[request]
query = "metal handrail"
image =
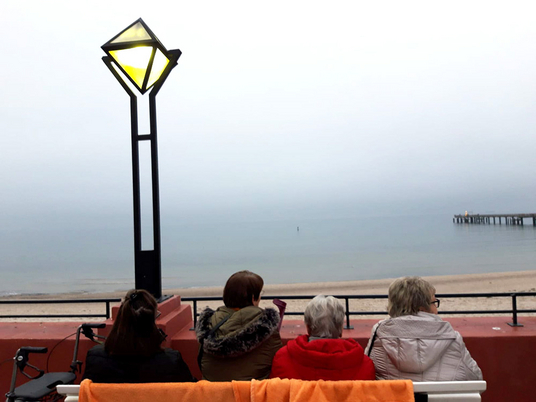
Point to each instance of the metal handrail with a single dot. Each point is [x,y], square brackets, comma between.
[106,314]
[514,311]
[195,300]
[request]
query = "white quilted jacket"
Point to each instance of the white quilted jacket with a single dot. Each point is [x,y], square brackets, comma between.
[421,347]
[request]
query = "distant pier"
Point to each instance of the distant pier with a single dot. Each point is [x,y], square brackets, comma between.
[509,219]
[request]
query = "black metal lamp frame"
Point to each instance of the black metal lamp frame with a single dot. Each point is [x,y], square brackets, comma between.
[147,263]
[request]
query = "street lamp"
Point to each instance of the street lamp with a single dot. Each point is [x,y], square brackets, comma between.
[137,55]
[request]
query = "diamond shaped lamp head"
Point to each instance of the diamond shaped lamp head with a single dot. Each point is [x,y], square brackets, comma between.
[138,53]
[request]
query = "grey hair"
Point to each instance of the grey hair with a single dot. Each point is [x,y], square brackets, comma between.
[324,317]
[409,295]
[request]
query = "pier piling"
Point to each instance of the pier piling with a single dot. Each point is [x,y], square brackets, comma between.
[509,219]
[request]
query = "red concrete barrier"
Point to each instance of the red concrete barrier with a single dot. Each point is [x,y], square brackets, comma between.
[50,335]
[506,355]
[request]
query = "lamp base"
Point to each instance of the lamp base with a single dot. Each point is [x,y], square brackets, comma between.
[163,298]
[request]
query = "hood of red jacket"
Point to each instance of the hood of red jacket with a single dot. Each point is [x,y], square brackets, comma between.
[326,353]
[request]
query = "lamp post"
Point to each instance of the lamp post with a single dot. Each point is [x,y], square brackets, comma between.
[137,55]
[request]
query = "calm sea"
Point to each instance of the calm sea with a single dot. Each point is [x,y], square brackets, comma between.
[205,254]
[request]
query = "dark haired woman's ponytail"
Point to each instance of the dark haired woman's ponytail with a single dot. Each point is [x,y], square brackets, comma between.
[144,320]
[134,330]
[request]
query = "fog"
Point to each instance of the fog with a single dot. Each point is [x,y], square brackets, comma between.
[280,110]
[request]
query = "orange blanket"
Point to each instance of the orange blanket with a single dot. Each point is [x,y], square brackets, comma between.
[278,390]
[201,391]
[273,390]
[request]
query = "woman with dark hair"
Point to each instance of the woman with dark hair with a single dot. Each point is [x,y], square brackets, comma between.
[132,352]
[415,343]
[238,340]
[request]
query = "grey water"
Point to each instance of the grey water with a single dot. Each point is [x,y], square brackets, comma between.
[196,254]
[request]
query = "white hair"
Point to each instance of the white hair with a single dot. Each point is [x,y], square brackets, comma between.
[324,317]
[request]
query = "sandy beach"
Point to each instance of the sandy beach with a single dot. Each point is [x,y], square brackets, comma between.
[522,281]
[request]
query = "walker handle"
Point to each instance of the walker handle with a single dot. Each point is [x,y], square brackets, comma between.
[33,349]
[92,325]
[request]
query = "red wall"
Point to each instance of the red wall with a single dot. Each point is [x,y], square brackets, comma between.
[506,355]
[50,335]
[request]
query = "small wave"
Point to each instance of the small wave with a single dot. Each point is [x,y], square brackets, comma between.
[5,294]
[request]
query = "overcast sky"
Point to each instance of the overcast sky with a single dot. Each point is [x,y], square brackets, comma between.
[275,109]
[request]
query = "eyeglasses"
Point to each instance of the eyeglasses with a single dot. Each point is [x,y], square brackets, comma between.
[437,302]
[158,313]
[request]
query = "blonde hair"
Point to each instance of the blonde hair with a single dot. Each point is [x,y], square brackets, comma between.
[409,295]
[324,317]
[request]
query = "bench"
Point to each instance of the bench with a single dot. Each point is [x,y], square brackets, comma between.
[446,391]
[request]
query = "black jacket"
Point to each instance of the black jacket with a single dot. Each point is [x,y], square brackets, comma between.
[165,366]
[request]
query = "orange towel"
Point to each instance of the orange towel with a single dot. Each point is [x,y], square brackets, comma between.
[277,390]
[241,391]
[272,390]
[201,391]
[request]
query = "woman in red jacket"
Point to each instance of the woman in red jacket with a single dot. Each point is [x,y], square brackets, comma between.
[322,354]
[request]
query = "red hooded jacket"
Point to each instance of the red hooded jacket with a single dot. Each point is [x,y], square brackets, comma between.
[322,359]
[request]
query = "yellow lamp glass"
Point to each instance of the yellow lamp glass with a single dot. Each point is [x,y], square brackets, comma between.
[159,65]
[134,62]
[140,56]
[134,33]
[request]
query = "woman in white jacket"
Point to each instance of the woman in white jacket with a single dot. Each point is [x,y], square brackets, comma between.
[415,343]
